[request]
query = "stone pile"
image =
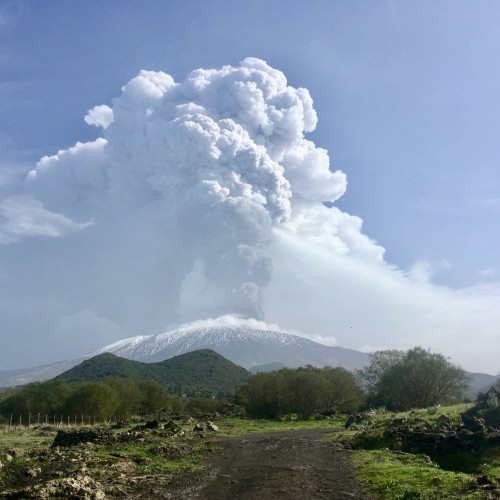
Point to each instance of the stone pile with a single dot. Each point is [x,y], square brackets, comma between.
[419,436]
[67,438]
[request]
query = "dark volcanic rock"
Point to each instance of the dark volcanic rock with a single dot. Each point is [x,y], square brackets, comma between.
[472,423]
[69,438]
[152,424]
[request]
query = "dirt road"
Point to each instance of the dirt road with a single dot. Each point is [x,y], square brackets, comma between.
[292,465]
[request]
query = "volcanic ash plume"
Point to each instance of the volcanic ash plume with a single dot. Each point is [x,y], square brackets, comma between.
[210,166]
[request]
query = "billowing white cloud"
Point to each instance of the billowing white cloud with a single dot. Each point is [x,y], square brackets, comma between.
[234,320]
[100,116]
[73,181]
[222,159]
[204,199]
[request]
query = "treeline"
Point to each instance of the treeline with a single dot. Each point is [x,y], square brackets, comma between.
[113,397]
[303,392]
[397,380]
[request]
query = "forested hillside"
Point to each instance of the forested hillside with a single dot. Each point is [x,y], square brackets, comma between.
[202,373]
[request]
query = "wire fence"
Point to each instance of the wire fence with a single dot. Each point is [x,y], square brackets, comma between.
[8,422]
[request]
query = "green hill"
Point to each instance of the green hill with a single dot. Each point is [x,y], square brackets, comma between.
[202,373]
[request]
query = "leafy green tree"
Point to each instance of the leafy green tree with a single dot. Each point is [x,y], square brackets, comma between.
[204,405]
[380,361]
[46,398]
[303,391]
[17,404]
[420,379]
[154,398]
[91,398]
[129,396]
[308,389]
[266,395]
[343,393]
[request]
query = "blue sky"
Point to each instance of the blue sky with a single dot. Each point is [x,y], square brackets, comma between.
[406,95]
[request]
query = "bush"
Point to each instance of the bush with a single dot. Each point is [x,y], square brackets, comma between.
[304,392]
[415,379]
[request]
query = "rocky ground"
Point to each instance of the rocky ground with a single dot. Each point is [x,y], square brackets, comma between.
[162,460]
[292,465]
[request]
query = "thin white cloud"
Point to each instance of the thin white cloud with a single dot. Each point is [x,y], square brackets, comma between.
[421,272]
[489,273]
[361,303]
[24,216]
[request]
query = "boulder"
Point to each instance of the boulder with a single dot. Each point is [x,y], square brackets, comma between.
[205,426]
[152,424]
[69,438]
[212,427]
[473,423]
[131,435]
[173,429]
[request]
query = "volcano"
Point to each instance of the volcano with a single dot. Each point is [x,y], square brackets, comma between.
[245,346]
[251,348]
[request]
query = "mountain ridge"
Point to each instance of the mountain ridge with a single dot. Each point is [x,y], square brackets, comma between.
[200,373]
[243,345]
[248,347]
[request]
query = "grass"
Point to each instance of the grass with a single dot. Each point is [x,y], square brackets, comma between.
[390,474]
[369,433]
[25,438]
[122,461]
[237,426]
[397,475]
[406,476]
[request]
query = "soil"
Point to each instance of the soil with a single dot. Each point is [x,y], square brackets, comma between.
[292,465]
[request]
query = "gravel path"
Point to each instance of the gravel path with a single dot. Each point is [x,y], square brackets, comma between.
[290,465]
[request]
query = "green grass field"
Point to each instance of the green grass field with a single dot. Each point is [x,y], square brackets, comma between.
[393,474]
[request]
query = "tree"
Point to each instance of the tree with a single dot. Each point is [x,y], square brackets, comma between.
[154,398]
[343,392]
[308,389]
[380,361]
[91,398]
[266,395]
[420,379]
[129,396]
[303,391]
[46,398]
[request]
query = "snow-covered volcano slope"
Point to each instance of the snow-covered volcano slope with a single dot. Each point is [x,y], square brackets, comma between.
[245,346]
